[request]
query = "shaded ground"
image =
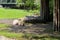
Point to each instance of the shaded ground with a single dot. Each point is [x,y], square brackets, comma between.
[28,28]
[33,28]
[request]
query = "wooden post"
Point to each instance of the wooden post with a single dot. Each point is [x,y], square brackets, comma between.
[56,15]
[45,10]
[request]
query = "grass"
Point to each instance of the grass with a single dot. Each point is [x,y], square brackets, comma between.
[3,26]
[49,39]
[16,13]
[41,37]
[11,35]
[6,13]
[21,36]
[28,36]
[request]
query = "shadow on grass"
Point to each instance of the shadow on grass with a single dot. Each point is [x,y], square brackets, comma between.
[32,31]
[32,28]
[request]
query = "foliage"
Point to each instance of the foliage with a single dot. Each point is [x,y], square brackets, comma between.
[51,6]
[28,4]
[51,9]
[18,1]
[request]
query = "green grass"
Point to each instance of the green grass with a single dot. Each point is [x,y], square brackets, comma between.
[22,35]
[11,35]
[42,37]
[14,13]
[49,38]
[3,26]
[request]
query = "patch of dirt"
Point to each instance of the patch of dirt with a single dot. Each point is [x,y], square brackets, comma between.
[6,21]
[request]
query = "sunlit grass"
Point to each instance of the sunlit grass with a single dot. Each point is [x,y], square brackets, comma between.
[14,13]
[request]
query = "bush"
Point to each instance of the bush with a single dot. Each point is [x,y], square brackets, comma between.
[28,4]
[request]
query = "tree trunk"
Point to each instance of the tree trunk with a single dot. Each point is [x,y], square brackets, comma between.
[45,13]
[56,15]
